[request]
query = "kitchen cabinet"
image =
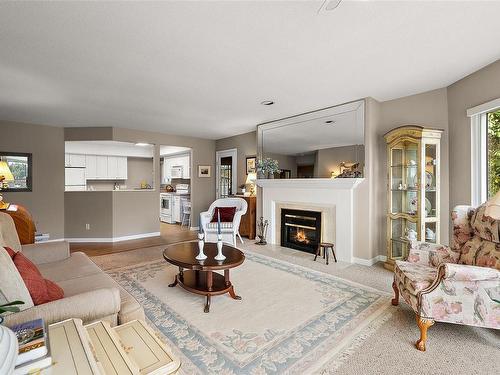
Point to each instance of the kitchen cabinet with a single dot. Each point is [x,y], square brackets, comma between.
[91,167]
[183,161]
[101,167]
[74,160]
[177,208]
[122,167]
[74,176]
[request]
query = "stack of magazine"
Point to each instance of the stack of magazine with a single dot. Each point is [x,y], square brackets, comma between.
[34,353]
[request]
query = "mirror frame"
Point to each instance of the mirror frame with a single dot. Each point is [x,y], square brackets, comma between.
[29,178]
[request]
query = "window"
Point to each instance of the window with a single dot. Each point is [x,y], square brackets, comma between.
[15,170]
[493,152]
[485,151]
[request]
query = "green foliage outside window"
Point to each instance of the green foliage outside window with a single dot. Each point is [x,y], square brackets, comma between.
[493,153]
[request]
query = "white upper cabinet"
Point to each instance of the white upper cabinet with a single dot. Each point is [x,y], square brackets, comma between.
[74,160]
[90,167]
[112,167]
[183,161]
[122,167]
[101,167]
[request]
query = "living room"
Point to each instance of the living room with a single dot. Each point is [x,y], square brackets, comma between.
[341,169]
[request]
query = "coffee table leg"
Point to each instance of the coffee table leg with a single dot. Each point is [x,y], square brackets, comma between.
[231,291]
[174,283]
[207,305]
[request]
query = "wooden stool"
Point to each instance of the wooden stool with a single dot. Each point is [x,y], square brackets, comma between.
[325,246]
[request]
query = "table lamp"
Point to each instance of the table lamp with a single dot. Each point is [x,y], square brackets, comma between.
[5,176]
[251,178]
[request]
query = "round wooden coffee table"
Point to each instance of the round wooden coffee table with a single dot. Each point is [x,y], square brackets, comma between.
[200,278]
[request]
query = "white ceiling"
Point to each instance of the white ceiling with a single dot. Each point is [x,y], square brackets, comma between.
[202,68]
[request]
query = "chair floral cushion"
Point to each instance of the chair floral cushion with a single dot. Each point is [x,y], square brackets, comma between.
[411,278]
[485,227]
[431,254]
[480,252]
[462,230]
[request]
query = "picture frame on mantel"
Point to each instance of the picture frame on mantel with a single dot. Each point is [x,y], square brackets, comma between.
[204,171]
[251,162]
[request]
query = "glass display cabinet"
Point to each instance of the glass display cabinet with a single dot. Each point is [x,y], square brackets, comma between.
[413,163]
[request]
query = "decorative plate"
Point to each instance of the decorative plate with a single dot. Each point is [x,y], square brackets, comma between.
[413,205]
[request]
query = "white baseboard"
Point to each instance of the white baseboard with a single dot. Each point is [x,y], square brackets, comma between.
[194,228]
[370,262]
[115,239]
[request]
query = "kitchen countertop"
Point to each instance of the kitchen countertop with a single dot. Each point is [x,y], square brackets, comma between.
[108,191]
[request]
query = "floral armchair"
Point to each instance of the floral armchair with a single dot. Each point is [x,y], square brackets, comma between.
[458,284]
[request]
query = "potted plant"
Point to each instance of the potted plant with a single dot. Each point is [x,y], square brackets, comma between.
[267,167]
[9,307]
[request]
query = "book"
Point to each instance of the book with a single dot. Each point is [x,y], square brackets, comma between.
[32,339]
[34,366]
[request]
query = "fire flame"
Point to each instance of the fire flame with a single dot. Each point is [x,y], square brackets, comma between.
[301,236]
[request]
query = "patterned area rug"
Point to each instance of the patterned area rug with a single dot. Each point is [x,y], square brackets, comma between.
[291,319]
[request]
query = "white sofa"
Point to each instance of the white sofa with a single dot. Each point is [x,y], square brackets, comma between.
[229,230]
[89,293]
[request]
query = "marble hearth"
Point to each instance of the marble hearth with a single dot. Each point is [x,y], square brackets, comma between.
[334,198]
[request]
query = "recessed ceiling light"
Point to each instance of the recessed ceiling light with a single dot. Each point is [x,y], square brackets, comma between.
[331,122]
[267,102]
[142,144]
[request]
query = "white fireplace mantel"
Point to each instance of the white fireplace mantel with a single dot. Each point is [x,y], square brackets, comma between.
[334,198]
[318,183]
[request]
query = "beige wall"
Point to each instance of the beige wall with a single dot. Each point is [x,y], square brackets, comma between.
[246,145]
[46,201]
[94,208]
[328,159]
[475,89]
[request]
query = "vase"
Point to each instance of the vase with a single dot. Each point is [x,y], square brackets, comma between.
[270,175]
[219,255]
[201,255]
[8,350]
[260,175]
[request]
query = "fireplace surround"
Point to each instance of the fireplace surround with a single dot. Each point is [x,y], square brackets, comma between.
[300,229]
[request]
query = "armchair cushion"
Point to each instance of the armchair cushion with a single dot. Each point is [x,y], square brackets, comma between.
[485,227]
[462,230]
[480,252]
[223,226]
[431,255]
[414,276]
[458,272]
[226,214]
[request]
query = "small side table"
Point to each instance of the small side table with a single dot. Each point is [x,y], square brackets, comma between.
[325,246]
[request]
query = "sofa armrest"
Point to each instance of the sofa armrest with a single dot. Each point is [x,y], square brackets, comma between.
[431,254]
[46,252]
[463,272]
[87,306]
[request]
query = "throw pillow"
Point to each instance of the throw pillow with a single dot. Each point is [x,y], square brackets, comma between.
[12,287]
[41,290]
[226,214]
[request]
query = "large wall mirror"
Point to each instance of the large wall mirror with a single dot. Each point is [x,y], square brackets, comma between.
[15,171]
[321,144]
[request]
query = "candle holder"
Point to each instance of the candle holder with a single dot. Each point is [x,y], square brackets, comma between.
[219,255]
[201,255]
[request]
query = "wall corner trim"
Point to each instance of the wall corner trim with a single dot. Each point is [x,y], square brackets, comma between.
[370,262]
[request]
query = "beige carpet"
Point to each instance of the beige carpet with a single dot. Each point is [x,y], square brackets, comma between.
[451,349]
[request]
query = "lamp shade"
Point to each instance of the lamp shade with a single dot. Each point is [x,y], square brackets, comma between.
[493,207]
[5,171]
[251,178]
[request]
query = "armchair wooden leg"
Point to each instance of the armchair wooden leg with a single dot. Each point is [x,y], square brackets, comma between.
[423,324]
[395,300]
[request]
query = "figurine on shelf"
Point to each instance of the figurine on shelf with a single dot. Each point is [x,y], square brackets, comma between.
[219,255]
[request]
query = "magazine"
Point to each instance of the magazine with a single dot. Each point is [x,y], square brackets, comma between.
[32,339]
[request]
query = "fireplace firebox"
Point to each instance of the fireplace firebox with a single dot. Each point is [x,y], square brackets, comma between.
[301,230]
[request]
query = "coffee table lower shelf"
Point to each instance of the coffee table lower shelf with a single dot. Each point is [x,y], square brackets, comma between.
[207,283]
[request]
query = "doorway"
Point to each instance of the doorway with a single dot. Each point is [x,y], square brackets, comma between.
[226,173]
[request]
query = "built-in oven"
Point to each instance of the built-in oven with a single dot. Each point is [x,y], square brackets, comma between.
[166,208]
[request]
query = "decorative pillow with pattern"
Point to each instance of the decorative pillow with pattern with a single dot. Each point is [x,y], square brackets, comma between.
[484,226]
[482,253]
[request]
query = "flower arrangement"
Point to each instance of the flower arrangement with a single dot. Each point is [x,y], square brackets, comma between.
[268,165]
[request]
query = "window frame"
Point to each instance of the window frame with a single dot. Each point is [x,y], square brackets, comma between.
[479,150]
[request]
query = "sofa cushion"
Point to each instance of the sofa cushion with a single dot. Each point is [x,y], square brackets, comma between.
[226,214]
[12,287]
[73,267]
[414,276]
[484,226]
[37,285]
[480,252]
[8,233]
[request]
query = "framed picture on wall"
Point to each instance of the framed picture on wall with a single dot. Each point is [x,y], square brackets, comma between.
[251,164]
[204,170]
[15,171]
